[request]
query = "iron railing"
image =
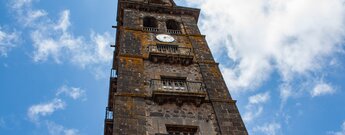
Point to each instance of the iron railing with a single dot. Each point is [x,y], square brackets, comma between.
[108,114]
[170,49]
[150,29]
[108,124]
[113,74]
[170,85]
[174,31]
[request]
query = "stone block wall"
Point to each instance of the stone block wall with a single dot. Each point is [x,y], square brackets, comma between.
[202,117]
[130,116]
[228,116]
[130,76]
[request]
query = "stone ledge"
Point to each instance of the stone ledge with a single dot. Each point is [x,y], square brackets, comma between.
[131,95]
[223,100]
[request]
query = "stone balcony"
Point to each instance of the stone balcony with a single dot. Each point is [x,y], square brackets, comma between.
[178,91]
[172,54]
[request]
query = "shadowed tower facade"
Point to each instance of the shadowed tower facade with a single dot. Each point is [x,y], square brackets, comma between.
[164,80]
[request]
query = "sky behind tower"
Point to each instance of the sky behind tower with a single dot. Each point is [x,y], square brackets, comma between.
[283,61]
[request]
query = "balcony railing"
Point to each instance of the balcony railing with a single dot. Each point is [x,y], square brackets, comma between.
[150,29]
[113,74]
[174,31]
[177,86]
[170,49]
[172,54]
[108,114]
[112,86]
[108,124]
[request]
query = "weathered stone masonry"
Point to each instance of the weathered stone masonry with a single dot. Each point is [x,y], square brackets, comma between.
[163,88]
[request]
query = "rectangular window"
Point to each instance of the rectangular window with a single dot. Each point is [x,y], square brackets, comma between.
[181,130]
[175,84]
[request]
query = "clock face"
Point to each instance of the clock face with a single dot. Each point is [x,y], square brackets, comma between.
[165,38]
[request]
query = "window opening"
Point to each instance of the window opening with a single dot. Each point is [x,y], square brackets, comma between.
[181,130]
[178,84]
[150,22]
[172,25]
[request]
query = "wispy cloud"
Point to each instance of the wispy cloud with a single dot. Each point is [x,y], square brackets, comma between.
[269,128]
[259,98]
[322,89]
[56,129]
[25,14]
[72,92]
[53,40]
[36,112]
[56,42]
[58,103]
[254,108]
[341,132]
[44,109]
[8,40]
[294,38]
[17,4]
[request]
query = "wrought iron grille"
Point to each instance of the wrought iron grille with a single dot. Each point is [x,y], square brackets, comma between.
[170,49]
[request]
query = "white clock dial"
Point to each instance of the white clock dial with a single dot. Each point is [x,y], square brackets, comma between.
[165,38]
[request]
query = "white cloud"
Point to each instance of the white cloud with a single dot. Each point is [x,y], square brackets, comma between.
[53,40]
[254,108]
[269,128]
[293,38]
[285,93]
[64,22]
[72,92]
[56,129]
[322,89]
[20,3]
[45,109]
[25,14]
[252,113]
[259,98]
[8,40]
[58,43]
[32,16]
[341,132]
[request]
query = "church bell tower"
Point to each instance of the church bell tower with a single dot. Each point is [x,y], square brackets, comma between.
[164,80]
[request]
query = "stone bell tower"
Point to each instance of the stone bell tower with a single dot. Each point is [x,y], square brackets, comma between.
[164,80]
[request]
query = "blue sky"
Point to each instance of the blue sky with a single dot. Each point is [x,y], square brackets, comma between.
[282,60]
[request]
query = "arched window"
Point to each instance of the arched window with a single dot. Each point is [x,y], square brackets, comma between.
[172,25]
[150,22]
